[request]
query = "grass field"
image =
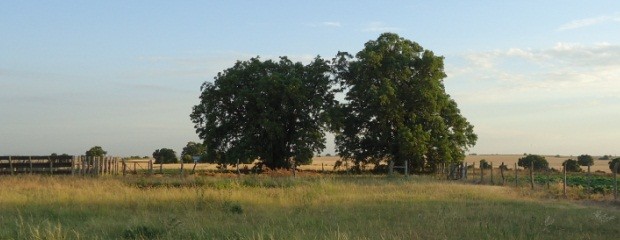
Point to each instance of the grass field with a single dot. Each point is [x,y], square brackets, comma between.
[265,207]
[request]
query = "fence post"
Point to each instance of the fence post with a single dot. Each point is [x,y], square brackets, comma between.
[532,174]
[294,168]
[391,168]
[11,165]
[501,171]
[30,162]
[406,168]
[492,180]
[564,184]
[124,168]
[481,173]
[182,164]
[516,175]
[616,166]
[473,169]
[589,177]
[51,165]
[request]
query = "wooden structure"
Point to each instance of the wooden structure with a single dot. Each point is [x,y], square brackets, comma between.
[60,164]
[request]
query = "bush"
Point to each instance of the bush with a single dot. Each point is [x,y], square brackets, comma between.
[165,155]
[484,164]
[540,163]
[571,165]
[612,163]
[585,160]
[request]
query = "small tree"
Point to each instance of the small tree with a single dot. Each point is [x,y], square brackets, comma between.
[192,149]
[484,164]
[165,155]
[540,163]
[585,160]
[96,151]
[612,164]
[571,165]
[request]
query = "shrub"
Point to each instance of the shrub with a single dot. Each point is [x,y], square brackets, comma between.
[571,165]
[585,160]
[484,164]
[540,163]
[612,163]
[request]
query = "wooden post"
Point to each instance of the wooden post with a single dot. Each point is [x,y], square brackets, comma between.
[30,162]
[10,165]
[51,165]
[124,168]
[72,166]
[294,168]
[391,168]
[473,169]
[516,175]
[501,171]
[150,166]
[481,173]
[182,164]
[194,168]
[532,174]
[564,184]
[406,168]
[466,170]
[492,180]
[616,166]
[589,177]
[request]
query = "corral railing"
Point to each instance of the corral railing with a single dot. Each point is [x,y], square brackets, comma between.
[61,164]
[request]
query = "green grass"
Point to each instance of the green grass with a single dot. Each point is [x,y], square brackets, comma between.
[262,207]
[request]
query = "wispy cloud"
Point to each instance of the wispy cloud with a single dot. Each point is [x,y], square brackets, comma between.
[379,27]
[586,22]
[332,24]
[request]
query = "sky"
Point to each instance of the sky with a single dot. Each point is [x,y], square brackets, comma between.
[531,76]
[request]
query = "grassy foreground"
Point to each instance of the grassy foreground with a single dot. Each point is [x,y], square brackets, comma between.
[260,207]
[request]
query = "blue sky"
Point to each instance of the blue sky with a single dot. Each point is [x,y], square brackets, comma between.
[532,76]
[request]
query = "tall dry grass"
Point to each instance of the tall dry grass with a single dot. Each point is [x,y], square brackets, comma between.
[258,207]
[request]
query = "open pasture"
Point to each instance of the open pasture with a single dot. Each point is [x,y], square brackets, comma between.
[267,207]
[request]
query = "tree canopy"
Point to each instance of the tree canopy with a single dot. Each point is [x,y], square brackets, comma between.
[396,107]
[96,151]
[571,165]
[273,111]
[192,149]
[585,160]
[540,163]
[165,155]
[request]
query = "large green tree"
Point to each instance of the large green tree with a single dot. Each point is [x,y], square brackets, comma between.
[273,111]
[165,155]
[192,149]
[396,107]
[96,151]
[585,160]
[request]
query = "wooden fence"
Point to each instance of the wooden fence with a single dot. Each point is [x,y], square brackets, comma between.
[62,164]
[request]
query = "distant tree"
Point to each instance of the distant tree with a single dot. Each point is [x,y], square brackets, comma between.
[397,108]
[192,149]
[484,164]
[165,155]
[273,111]
[540,163]
[96,151]
[605,157]
[571,165]
[585,160]
[612,163]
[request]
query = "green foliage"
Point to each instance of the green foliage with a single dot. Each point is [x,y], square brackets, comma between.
[193,149]
[571,165]
[165,155]
[612,164]
[484,164]
[274,111]
[96,151]
[605,157]
[397,108]
[585,160]
[540,163]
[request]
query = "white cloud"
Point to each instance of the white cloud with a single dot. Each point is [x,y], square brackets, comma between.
[379,27]
[332,24]
[586,22]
